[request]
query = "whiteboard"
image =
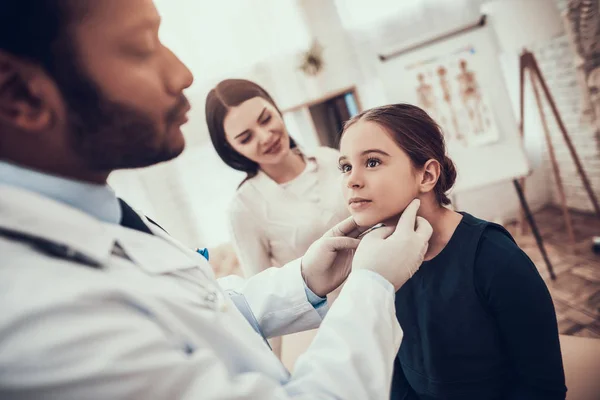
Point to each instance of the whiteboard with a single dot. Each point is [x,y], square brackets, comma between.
[493,156]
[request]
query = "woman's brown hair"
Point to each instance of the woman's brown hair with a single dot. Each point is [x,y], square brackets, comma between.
[418,135]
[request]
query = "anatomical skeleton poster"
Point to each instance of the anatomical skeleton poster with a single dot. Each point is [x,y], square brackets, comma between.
[448,88]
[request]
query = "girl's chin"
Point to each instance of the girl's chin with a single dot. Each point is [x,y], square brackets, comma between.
[368,221]
[365,221]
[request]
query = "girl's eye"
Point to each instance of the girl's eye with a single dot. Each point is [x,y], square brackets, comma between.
[344,168]
[373,162]
[266,120]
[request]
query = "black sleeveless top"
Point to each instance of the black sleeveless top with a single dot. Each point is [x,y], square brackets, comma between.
[462,340]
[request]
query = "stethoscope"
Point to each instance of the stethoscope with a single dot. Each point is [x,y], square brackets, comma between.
[62,251]
[51,248]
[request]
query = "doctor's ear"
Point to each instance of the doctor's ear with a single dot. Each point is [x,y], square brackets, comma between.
[430,175]
[26,95]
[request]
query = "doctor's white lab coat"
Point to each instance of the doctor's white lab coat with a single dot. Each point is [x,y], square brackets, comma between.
[127,315]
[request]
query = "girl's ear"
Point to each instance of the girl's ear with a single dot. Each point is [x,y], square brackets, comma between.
[430,176]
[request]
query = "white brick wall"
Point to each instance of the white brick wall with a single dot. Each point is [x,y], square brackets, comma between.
[556,60]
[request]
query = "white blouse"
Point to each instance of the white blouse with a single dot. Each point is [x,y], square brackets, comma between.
[272,223]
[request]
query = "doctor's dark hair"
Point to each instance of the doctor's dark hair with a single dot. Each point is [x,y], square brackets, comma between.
[227,94]
[418,135]
[37,30]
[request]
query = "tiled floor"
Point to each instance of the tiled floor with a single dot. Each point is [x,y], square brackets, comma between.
[576,290]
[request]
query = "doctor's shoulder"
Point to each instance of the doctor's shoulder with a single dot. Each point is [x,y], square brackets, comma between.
[35,283]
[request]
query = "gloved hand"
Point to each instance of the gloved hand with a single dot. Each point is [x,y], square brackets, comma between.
[395,253]
[328,261]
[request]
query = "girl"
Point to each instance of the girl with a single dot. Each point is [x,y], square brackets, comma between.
[478,320]
[289,198]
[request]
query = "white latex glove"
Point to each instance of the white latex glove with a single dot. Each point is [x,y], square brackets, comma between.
[328,261]
[395,253]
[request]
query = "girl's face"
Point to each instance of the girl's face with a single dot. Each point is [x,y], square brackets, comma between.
[379,180]
[256,130]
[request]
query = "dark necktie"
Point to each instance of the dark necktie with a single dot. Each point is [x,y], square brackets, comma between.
[130,219]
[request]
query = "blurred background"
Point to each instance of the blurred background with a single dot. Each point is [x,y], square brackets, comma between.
[372,53]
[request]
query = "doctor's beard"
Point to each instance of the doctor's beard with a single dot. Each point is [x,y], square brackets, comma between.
[110,135]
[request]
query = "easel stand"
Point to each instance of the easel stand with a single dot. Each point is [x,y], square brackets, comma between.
[528,63]
[534,228]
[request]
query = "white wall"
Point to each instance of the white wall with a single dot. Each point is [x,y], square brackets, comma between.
[189,196]
[216,40]
[160,192]
[494,202]
[500,201]
[235,39]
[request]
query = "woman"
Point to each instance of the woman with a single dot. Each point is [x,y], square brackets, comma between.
[478,320]
[289,197]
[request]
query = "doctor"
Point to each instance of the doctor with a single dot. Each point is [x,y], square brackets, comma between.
[96,301]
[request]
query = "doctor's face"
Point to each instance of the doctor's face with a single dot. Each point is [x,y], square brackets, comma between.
[256,130]
[125,93]
[112,93]
[379,180]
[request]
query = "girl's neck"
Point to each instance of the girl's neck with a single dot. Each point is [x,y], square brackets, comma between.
[289,168]
[444,223]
